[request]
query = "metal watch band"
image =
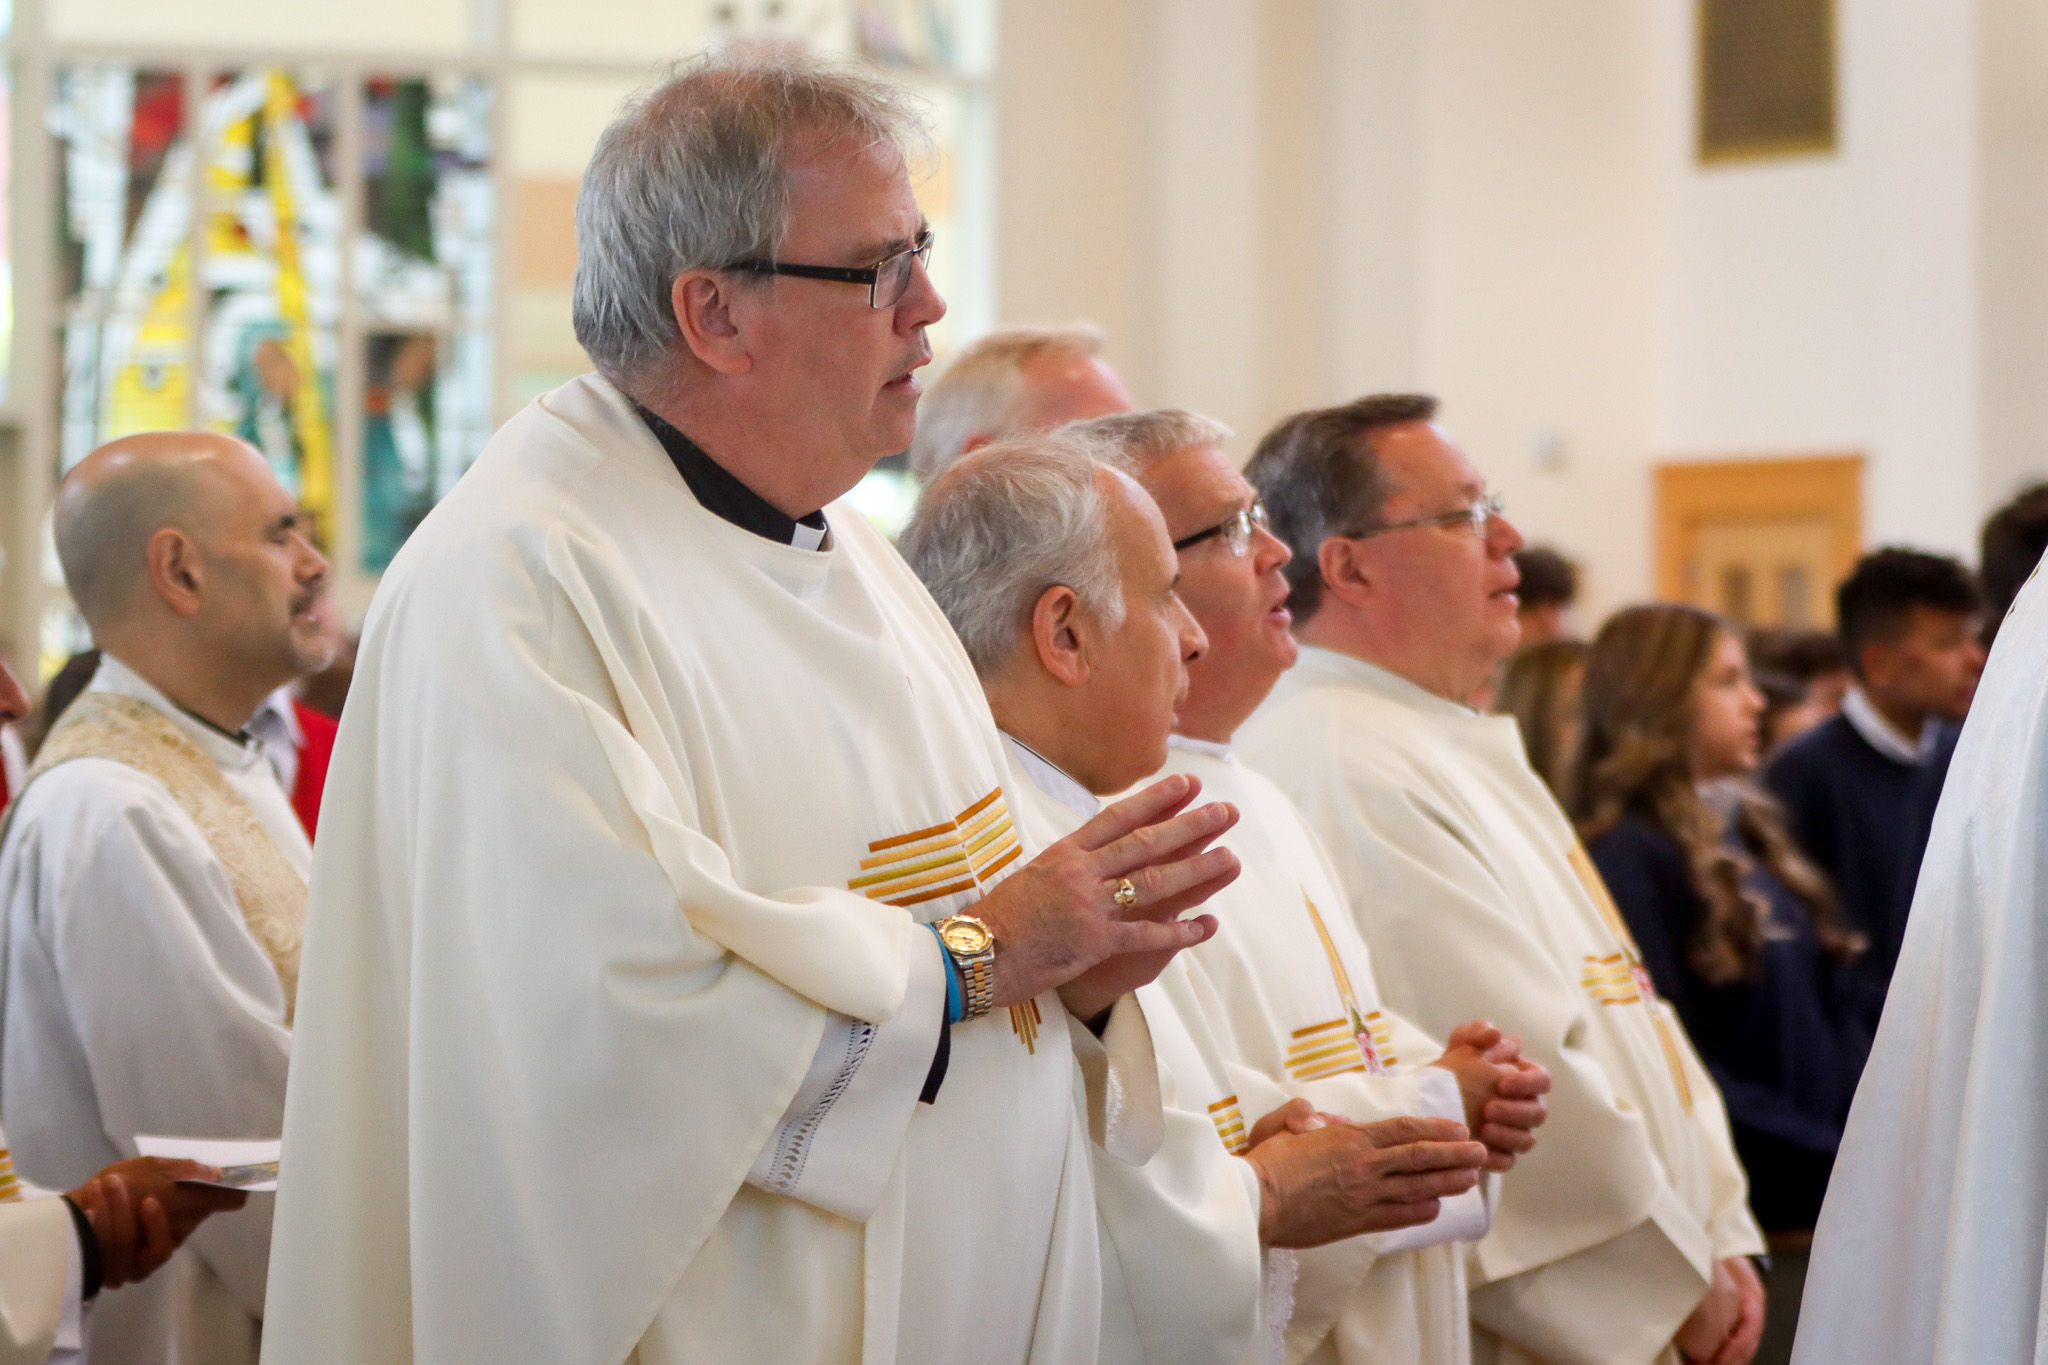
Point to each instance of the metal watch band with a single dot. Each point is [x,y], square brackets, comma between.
[977,978]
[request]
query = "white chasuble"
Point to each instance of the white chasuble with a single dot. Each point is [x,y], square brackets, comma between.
[1471,888]
[1290,975]
[1184,1279]
[1933,1241]
[142,995]
[617,997]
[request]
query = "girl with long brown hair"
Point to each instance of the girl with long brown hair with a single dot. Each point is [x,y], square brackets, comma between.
[1737,930]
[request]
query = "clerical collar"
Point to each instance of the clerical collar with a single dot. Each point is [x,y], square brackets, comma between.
[1880,734]
[1048,778]
[1199,746]
[725,496]
[225,747]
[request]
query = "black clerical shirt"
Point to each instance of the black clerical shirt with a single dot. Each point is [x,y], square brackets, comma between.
[722,493]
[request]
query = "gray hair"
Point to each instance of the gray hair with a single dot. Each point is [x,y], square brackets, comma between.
[1008,522]
[1320,477]
[1142,437]
[982,391]
[693,175]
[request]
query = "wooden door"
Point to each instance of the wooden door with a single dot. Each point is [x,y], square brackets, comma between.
[1762,542]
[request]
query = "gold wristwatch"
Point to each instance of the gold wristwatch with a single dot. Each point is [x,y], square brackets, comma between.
[974,952]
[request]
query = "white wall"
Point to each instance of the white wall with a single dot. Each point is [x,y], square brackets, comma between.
[1537,304]
[1500,203]
[2012,42]
[1829,304]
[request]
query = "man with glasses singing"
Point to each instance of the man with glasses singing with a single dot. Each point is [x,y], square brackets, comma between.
[1623,1237]
[679,986]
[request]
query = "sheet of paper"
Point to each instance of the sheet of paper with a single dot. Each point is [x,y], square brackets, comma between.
[245,1165]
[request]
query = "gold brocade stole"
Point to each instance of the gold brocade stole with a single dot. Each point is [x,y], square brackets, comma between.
[1620,978]
[130,731]
[10,1184]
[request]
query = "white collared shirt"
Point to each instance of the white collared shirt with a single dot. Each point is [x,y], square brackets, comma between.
[276,727]
[1883,736]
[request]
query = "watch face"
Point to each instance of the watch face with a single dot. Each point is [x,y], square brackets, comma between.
[966,936]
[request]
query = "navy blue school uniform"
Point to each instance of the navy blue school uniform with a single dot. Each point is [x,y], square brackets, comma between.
[1785,1048]
[1863,818]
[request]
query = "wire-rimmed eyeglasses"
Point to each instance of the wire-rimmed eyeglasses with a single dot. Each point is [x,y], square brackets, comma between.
[1478,517]
[886,280]
[1236,529]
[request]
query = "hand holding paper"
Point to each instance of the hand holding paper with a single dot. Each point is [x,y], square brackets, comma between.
[141,1210]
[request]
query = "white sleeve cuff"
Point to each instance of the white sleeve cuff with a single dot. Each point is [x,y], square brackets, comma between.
[1464,1217]
[69,1346]
[1120,1076]
[840,1138]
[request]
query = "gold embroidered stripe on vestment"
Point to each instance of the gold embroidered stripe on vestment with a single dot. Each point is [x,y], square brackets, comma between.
[934,894]
[949,858]
[1229,1121]
[1382,1038]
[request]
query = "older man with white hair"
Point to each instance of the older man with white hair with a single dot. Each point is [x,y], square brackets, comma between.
[679,987]
[1287,965]
[1626,1235]
[153,873]
[1057,572]
[1017,380]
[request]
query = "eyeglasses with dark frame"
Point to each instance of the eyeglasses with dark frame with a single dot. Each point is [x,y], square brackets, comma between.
[886,280]
[1236,529]
[1478,517]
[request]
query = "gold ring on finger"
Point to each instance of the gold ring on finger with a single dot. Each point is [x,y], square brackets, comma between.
[1126,894]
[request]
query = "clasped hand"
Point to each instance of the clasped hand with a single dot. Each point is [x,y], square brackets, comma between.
[1323,1178]
[1503,1090]
[1728,1325]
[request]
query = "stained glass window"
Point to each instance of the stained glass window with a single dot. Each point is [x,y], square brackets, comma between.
[425,265]
[124,259]
[271,262]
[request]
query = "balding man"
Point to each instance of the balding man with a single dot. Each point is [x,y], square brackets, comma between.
[1018,380]
[153,874]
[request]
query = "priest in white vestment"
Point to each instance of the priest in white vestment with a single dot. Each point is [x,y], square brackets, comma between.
[1624,1236]
[1931,1244]
[58,1252]
[1057,572]
[1287,967]
[153,873]
[625,1032]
